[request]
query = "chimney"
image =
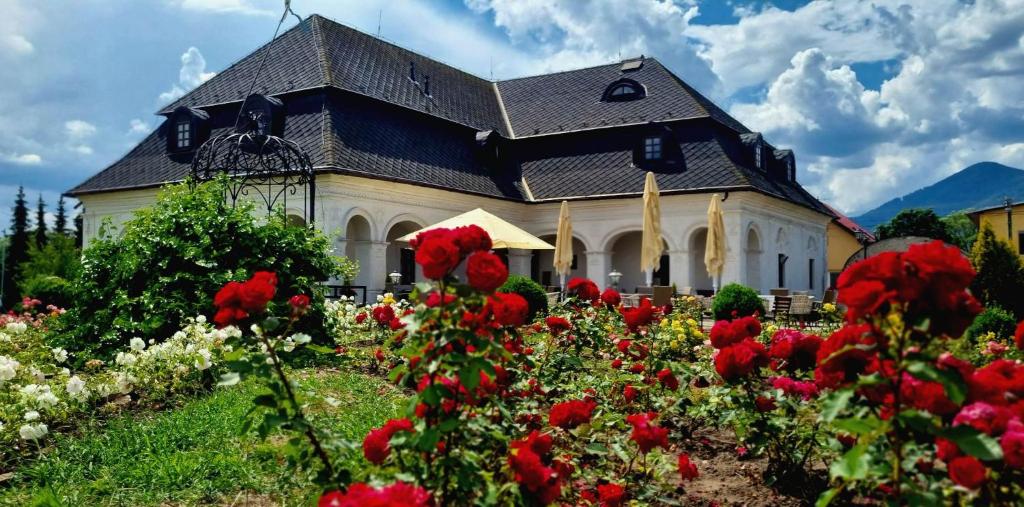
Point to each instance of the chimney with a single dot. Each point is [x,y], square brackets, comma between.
[412,71]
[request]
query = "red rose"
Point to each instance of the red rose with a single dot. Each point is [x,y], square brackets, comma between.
[764,404]
[946,450]
[583,289]
[637,368]
[378,355]
[611,297]
[229,315]
[377,443]
[557,324]
[486,271]
[438,256]
[227,295]
[668,380]
[617,363]
[989,419]
[629,393]
[509,309]
[1012,443]
[360,317]
[645,433]
[844,356]
[740,359]
[611,495]
[434,299]
[299,304]
[722,334]
[361,495]
[791,387]
[383,314]
[687,469]
[570,414]
[535,480]
[257,291]
[797,350]
[925,395]
[472,238]
[638,316]
[997,382]
[439,232]
[967,471]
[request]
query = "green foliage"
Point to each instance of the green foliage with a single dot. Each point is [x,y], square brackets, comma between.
[60,224]
[50,289]
[40,231]
[1000,280]
[17,248]
[992,320]
[171,259]
[58,258]
[962,231]
[915,222]
[531,291]
[736,298]
[348,269]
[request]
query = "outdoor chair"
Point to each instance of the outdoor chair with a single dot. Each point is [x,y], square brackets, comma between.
[553,298]
[829,297]
[662,295]
[780,312]
[800,307]
[779,292]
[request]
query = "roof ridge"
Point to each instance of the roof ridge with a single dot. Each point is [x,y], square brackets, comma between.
[702,101]
[321,53]
[566,71]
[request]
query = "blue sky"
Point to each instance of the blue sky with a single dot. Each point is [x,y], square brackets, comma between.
[877,97]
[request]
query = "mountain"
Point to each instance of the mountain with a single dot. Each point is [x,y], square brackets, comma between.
[981,185]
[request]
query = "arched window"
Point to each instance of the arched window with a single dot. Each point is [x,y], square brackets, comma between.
[623,90]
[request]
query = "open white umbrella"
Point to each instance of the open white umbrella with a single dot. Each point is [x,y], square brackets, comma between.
[714,249]
[563,244]
[503,234]
[652,245]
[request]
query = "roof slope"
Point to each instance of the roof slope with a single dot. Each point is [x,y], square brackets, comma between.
[319,52]
[848,223]
[571,100]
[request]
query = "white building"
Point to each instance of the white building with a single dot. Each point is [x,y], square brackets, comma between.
[400,141]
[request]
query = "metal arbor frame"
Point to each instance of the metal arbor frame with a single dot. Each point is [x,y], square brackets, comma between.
[269,167]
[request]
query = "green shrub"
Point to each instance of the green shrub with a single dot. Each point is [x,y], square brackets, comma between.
[1000,279]
[172,258]
[50,289]
[531,291]
[736,298]
[994,320]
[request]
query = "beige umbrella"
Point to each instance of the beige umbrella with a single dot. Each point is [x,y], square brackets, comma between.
[652,243]
[503,234]
[714,249]
[563,244]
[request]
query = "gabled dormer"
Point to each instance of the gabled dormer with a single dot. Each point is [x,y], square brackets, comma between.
[657,149]
[489,147]
[753,142]
[263,114]
[784,162]
[623,90]
[187,128]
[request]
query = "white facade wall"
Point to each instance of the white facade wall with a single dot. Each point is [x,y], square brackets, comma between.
[778,227]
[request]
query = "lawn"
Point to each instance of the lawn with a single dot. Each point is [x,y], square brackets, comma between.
[194,454]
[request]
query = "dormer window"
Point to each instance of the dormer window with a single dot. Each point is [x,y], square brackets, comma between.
[183,132]
[652,148]
[758,162]
[263,115]
[186,128]
[624,90]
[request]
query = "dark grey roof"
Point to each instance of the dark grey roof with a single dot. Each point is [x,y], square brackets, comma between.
[319,52]
[571,100]
[350,104]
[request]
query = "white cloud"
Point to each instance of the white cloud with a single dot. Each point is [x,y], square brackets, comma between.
[79,132]
[222,6]
[137,126]
[16,43]
[192,74]
[22,158]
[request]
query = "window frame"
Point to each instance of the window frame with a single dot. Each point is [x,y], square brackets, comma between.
[631,90]
[758,155]
[183,132]
[654,145]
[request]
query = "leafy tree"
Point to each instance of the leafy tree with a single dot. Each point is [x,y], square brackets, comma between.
[1000,280]
[17,249]
[914,222]
[61,223]
[79,227]
[962,231]
[40,222]
[46,273]
[169,261]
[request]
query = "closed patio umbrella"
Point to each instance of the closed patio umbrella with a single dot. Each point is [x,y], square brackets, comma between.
[563,244]
[714,249]
[652,243]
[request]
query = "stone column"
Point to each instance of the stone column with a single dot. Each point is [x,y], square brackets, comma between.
[679,268]
[598,265]
[376,267]
[519,261]
[731,272]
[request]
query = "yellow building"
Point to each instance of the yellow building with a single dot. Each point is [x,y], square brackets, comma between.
[996,218]
[843,241]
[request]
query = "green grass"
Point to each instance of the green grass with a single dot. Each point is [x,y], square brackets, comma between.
[194,454]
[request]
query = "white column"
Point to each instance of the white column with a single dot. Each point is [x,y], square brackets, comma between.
[679,268]
[376,267]
[519,261]
[598,265]
[733,249]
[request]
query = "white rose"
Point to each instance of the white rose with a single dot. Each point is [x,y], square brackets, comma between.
[46,399]
[33,431]
[31,415]
[204,359]
[75,385]
[60,354]
[16,327]
[8,368]
[137,344]
[201,319]
[301,338]
[125,358]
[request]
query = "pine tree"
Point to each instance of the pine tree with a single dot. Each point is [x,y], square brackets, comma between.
[1000,280]
[79,230]
[41,223]
[17,249]
[61,223]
